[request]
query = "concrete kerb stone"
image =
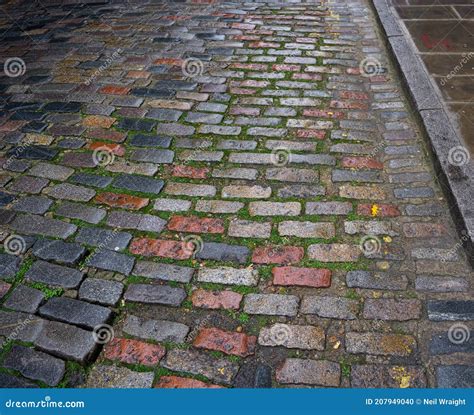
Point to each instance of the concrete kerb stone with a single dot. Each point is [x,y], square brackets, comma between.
[436,124]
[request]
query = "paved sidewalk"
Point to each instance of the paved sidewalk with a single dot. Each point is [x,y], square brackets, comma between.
[443,33]
[220,195]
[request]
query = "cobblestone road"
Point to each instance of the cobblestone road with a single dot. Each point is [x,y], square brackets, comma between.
[224,195]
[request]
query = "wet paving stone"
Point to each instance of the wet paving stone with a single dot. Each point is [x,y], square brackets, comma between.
[138,184]
[455,376]
[33,152]
[58,251]
[54,275]
[35,365]
[133,352]
[10,381]
[33,204]
[223,252]
[93,180]
[34,224]
[111,261]
[75,312]
[100,291]
[66,341]
[199,363]
[155,294]
[78,211]
[158,330]
[310,372]
[25,299]
[9,265]
[166,272]
[381,376]
[104,238]
[105,376]
[450,310]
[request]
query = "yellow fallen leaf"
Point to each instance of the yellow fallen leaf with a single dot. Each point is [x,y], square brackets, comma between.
[387,239]
[400,375]
[383,265]
[374,210]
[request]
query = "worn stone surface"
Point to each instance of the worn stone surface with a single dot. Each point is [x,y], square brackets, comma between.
[133,352]
[54,275]
[455,376]
[111,260]
[77,211]
[9,265]
[307,277]
[199,363]
[309,372]
[381,376]
[58,251]
[101,291]
[293,337]
[20,326]
[66,341]
[155,294]
[377,281]
[24,298]
[166,272]
[158,330]
[105,376]
[35,365]
[76,312]
[334,252]
[227,275]
[223,252]
[380,344]
[216,299]
[176,382]
[330,307]
[388,309]
[34,225]
[232,343]
[271,304]
[450,310]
